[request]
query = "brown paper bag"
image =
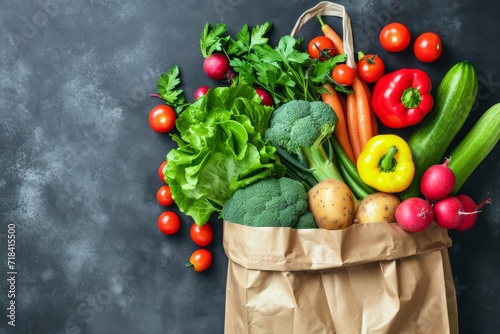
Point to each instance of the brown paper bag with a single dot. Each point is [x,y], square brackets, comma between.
[371,278]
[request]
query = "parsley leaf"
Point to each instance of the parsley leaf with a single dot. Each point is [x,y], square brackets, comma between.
[287,51]
[246,41]
[212,40]
[242,42]
[167,89]
[258,35]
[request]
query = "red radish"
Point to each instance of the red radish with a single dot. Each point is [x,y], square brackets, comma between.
[414,214]
[267,100]
[437,182]
[200,92]
[449,212]
[473,209]
[216,66]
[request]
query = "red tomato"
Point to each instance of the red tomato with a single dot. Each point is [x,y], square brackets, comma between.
[395,37]
[321,47]
[427,47]
[371,68]
[169,222]
[161,170]
[162,118]
[200,260]
[164,196]
[267,100]
[202,235]
[343,74]
[200,92]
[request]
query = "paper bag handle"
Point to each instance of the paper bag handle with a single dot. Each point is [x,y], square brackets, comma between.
[331,9]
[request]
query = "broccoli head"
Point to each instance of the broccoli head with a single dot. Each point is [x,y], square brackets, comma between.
[302,130]
[271,202]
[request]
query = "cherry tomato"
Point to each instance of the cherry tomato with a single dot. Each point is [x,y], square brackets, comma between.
[428,47]
[162,118]
[321,47]
[202,235]
[161,170]
[164,196]
[371,68]
[343,74]
[395,37]
[267,100]
[169,222]
[200,92]
[200,260]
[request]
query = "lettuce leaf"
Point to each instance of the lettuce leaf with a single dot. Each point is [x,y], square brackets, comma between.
[220,149]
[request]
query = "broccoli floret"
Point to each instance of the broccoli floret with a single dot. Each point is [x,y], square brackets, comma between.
[306,221]
[272,202]
[300,130]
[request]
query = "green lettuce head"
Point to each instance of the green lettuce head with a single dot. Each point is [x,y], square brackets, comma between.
[220,149]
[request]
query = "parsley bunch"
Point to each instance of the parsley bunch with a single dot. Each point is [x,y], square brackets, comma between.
[286,71]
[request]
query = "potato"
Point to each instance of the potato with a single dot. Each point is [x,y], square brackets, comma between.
[377,208]
[332,204]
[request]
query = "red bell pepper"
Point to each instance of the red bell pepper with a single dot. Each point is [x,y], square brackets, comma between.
[402,98]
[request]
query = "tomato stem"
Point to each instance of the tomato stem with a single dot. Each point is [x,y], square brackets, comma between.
[371,60]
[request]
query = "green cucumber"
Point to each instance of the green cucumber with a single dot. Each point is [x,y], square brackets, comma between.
[453,102]
[475,146]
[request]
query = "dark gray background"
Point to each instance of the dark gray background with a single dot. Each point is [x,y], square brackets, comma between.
[78,159]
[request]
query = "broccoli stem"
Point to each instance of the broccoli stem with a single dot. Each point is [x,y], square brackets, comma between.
[320,163]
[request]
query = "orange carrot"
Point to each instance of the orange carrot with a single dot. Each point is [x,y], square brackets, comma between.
[332,35]
[374,118]
[352,124]
[332,99]
[367,90]
[364,113]
[343,103]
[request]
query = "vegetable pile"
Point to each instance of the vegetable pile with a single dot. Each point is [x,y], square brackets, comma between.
[289,136]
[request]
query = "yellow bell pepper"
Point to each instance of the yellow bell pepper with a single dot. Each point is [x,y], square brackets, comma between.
[386,164]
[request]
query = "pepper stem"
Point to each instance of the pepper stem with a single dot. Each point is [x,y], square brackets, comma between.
[387,162]
[411,97]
